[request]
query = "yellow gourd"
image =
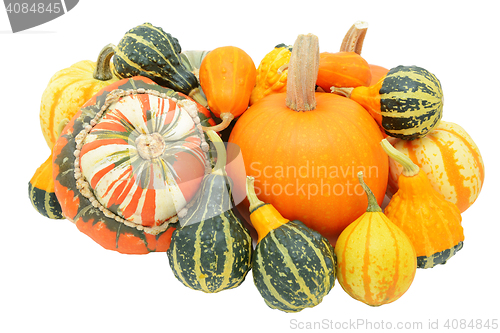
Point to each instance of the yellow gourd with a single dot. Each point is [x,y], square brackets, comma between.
[376,262]
[272,73]
[431,222]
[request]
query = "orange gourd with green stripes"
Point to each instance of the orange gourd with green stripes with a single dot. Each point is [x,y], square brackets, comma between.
[432,223]
[128,162]
[376,261]
[450,159]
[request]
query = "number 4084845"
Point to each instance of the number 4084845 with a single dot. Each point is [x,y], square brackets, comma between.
[471,324]
[24,8]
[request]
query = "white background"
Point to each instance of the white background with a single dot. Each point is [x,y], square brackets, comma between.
[55,279]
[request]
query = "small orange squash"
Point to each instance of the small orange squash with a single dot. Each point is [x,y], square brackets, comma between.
[432,223]
[376,261]
[227,77]
[295,146]
[378,72]
[450,159]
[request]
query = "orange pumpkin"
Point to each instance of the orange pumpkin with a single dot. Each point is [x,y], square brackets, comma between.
[304,149]
[227,77]
[450,159]
[342,69]
[378,72]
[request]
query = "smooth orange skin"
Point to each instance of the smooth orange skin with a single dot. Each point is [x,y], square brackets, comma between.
[338,135]
[378,72]
[342,69]
[227,77]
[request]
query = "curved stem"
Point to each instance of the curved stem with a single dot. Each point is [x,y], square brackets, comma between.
[410,169]
[354,38]
[102,70]
[197,96]
[220,165]
[303,73]
[372,201]
[226,120]
[252,197]
[342,91]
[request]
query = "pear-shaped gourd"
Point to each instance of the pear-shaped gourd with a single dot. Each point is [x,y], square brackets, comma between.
[293,265]
[211,250]
[431,222]
[376,262]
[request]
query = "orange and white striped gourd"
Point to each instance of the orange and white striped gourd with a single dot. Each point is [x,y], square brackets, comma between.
[450,159]
[376,261]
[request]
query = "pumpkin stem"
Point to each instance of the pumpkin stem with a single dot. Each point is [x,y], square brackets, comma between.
[102,70]
[353,40]
[372,201]
[197,96]
[252,197]
[303,73]
[410,169]
[220,165]
[226,117]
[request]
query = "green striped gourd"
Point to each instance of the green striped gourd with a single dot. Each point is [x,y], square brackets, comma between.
[293,266]
[211,250]
[147,50]
[407,103]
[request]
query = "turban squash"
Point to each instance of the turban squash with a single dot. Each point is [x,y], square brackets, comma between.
[128,162]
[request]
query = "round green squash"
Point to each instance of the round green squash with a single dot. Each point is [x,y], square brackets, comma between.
[211,249]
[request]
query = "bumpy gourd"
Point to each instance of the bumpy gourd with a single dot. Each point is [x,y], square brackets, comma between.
[149,51]
[211,250]
[128,162]
[272,73]
[450,159]
[407,103]
[432,223]
[376,261]
[293,265]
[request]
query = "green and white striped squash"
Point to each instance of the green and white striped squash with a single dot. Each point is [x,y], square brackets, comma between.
[407,103]
[211,249]
[148,51]
[293,266]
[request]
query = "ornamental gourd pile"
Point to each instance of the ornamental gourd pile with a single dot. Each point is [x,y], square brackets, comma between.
[316,141]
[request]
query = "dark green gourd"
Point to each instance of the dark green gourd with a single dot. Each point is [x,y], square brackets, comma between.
[211,250]
[293,266]
[149,51]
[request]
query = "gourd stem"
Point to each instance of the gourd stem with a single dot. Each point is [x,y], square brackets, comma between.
[197,96]
[220,165]
[302,74]
[226,120]
[410,169]
[354,38]
[342,91]
[372,201]
[102,70]
[252,197]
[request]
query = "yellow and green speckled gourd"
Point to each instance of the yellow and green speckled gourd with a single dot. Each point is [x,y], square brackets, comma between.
[211,250]
[432,223]
[293,266]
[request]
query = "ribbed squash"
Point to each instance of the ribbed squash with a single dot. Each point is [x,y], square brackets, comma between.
[227,76]
[41,192]
[128,162]
[432,223]
[272,73]
[376,261]
[211,250]
[450,159]
[407,103]
[70,88]
[147,50]
[293,265]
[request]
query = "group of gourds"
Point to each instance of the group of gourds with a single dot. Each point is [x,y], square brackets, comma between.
[138,164]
